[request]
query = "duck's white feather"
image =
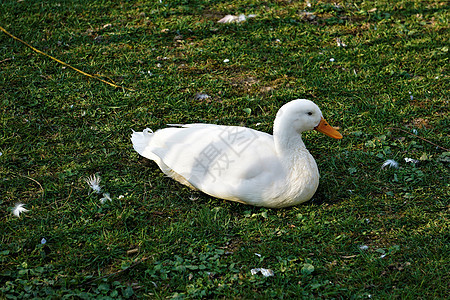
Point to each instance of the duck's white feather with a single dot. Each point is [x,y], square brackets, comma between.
[238,163]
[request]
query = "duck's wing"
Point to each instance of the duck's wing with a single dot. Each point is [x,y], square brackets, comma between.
[228,162]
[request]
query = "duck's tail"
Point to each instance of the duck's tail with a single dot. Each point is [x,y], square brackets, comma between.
[140,140]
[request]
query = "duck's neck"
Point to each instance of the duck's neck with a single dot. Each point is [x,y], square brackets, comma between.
[301,172]
[288,142]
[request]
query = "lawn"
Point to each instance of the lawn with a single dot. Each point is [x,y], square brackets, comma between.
[377,69]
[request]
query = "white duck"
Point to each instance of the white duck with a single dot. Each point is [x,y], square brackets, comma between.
[241,164]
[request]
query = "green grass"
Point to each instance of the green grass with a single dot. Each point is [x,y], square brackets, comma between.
[162,240]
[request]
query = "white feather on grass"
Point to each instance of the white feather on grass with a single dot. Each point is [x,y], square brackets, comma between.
[105,198]
[235,19]
[411,160]
[390,163]
[18,209]
[264,272]
[201,96]
[94,183]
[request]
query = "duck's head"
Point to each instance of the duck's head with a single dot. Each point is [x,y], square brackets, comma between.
[303,115]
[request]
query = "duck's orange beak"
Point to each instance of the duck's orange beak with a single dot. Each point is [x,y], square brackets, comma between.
[326,129]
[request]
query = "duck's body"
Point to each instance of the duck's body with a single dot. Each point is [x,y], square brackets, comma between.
[238,163]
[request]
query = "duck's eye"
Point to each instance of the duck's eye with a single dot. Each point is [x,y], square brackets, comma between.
[309,113]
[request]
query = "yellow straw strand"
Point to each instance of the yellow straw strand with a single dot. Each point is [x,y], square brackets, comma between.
[61,62]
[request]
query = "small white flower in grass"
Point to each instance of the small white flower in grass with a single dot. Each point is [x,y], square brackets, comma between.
[257,254]
[340,43]
[43,241]
[18,209]
[382,255]
[121,196]
[363,247]
[106,197]
[94,182]
[331,59]
[414,131]
[226,60]
[390,163]
[307,16]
